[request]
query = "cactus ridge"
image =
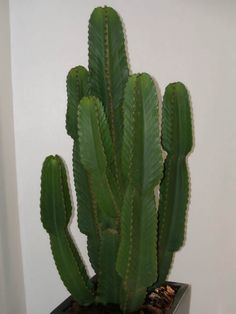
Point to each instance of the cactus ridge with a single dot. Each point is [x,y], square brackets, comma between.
[113,120]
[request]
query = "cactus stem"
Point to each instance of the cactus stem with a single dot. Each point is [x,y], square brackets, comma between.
[111,110]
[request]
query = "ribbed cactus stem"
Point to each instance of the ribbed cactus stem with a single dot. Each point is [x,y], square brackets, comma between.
[113,120]
[95,154]
[109,72]
[55,214]
[174,190]
[142,167]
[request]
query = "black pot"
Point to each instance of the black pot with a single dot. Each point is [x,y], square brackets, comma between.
[181,304]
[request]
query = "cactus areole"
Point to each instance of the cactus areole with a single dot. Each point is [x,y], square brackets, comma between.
[118,165]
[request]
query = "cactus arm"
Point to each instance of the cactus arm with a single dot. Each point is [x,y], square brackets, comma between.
[87,208]
[108,62]
[172,211]
[142,167]
[176,120]
[55,201]
[109,72]
[108,290]
[136,261]
[174,189]
[141,148]
[176,186]
[55,215]
[93,154]
[69,270]
[133,289]
[77,88]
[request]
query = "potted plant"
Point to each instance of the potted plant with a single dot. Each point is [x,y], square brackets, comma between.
[113,119]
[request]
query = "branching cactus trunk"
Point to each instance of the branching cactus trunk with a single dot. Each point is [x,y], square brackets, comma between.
[113,120]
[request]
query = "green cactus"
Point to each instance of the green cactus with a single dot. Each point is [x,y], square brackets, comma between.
[113,119]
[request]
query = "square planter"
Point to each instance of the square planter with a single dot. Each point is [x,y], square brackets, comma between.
[181,304]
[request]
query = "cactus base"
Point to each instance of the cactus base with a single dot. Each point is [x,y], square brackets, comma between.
[181,304]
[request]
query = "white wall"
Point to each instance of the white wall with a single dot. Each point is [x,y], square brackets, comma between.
[11,276]
[191,41]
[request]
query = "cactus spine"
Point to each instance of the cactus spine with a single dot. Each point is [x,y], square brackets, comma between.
[113,119]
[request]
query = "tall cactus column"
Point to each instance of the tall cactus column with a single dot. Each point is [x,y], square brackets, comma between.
[106,79]
[142,170]
[108,68]
[174,189]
